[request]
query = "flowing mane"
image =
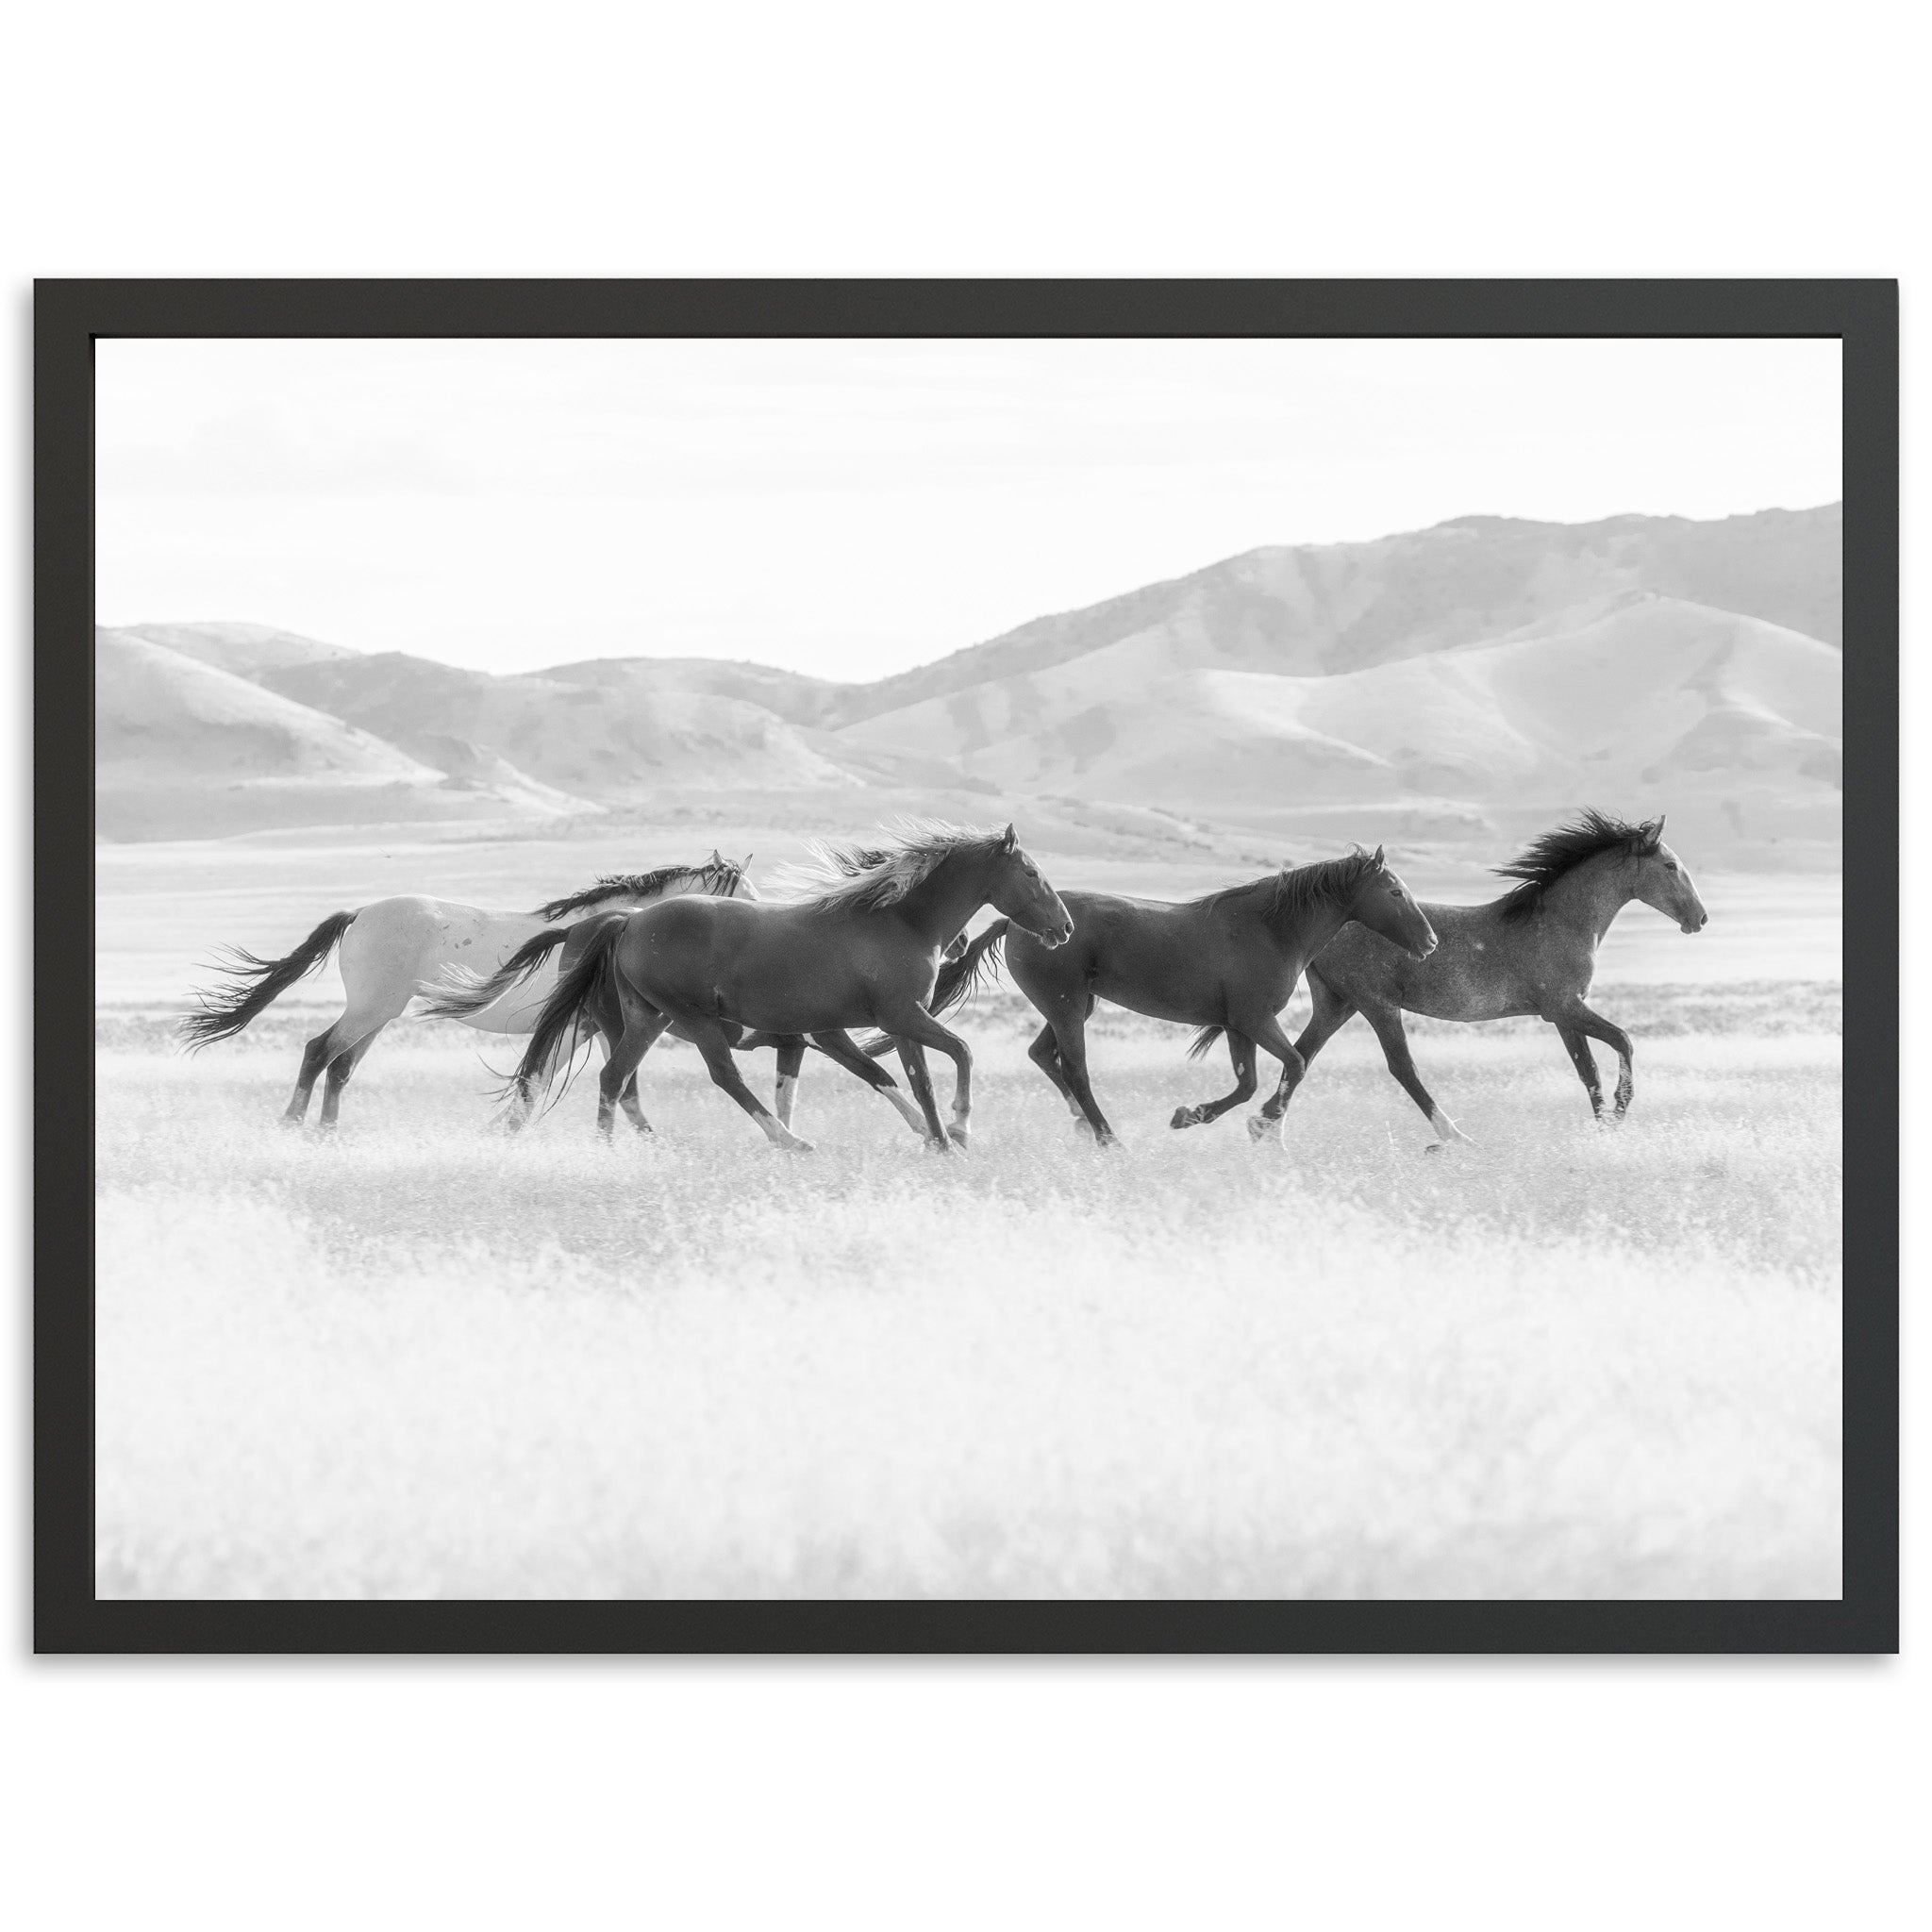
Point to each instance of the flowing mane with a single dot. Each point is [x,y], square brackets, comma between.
[868,878]
[1546,859]
[634,885]
[1285,895]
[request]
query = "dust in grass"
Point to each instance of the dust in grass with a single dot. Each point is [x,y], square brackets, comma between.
[425,1359]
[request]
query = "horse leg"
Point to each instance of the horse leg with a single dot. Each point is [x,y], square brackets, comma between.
[634,1109]
[1614,1037]
[1045,1053]
[714,1042]
[627,1097]
[1241,1051]
[339,1070]
[1332,1012]
[840,1047]
[642,1023]
[919,1026]
[791,1056]
[1070,1036]
[606,1015]
[1265,1030]
[1387,1020]
[913,1057]
[316,1055]
[1585,1062]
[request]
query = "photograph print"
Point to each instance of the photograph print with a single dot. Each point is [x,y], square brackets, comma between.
[925,970]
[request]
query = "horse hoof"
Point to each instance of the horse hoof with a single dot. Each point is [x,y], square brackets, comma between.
[1184,1117]
[1258,1127]
[962,1137]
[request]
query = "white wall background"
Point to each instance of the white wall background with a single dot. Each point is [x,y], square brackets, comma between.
[1667,138]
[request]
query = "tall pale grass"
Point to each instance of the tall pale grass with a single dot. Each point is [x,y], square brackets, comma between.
[424,1360]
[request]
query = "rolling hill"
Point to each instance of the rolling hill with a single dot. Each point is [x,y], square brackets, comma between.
[1318,609]
[1653,702]
[184,749]
[249,650]
[615,740]
[1462,680]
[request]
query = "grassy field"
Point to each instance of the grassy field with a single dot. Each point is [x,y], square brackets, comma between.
[425,1359]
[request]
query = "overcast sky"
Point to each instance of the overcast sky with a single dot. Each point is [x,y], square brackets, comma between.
[850,508]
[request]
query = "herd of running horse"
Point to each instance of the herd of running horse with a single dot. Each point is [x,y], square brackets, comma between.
[875,936]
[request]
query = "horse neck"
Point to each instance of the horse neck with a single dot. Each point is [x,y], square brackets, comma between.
[947,896]
[1590,895]
[1318,923]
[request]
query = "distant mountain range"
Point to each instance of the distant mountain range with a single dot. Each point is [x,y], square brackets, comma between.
[1481,673]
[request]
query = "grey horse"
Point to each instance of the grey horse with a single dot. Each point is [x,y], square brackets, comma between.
[1532,951]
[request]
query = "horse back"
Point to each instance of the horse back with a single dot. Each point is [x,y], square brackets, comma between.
[1484,967]
[787,968]
[1169,959]
[409,930]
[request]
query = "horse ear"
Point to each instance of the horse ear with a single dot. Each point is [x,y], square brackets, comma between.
[1011,841]
[1379,860]
[717,857]
[1653,832]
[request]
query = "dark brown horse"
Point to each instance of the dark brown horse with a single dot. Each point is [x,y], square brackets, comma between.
[1227,963]
[859,947]
[1532,951]
[460,995]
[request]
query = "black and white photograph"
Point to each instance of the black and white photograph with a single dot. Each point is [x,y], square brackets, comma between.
[969,969]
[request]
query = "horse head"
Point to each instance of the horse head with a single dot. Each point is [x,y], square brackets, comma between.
[1386,906]
[1661,879]
[1019,889]
[728,878]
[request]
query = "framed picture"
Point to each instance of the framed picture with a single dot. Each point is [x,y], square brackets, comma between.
[967,966]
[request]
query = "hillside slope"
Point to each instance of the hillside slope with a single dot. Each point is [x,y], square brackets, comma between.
[1449,677]
[1654,700]
[183,749]
[1315,609]
[614,742]
[247,650]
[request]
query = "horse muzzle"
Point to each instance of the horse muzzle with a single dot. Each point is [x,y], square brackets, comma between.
[1057,938]
[1697,924]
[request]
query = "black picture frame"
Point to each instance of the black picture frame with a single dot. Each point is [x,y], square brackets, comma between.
[71,315]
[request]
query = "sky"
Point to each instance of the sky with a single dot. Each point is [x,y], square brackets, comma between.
[850,508]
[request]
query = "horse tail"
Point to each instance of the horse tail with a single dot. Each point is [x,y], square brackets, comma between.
[254,985]
[461,993]
[564,1007]
[960,979]
[1203,1041]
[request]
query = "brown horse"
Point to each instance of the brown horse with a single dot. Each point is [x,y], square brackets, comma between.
[460,994]
[1227,963]
[860,947]
[1532,951]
